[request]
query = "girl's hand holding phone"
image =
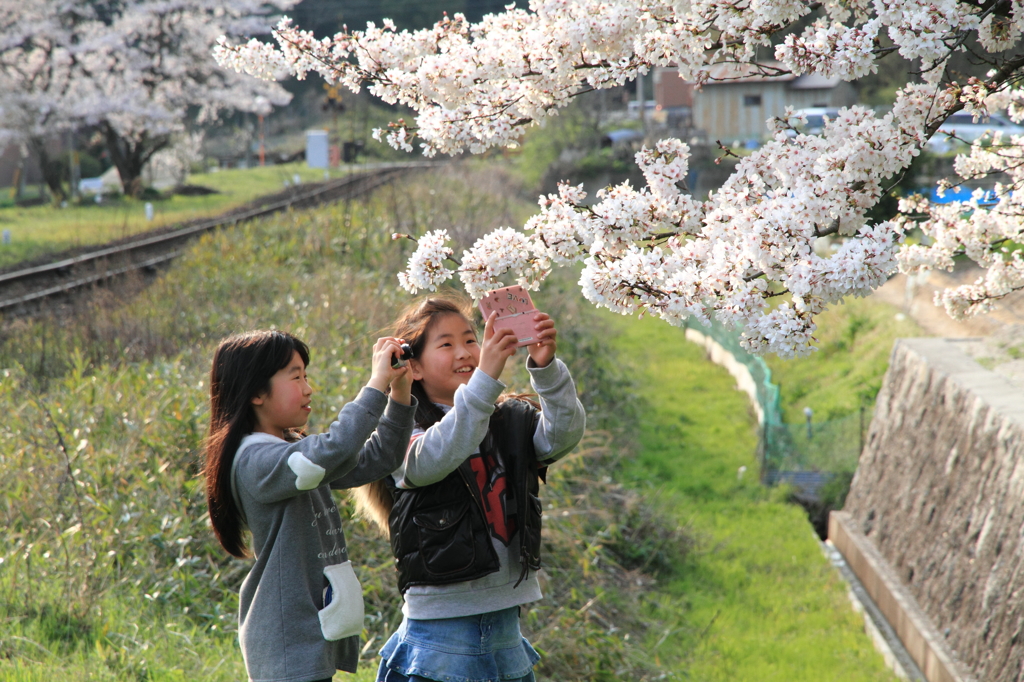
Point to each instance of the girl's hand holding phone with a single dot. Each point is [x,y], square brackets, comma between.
[382,373]
[498,346]
[543,352]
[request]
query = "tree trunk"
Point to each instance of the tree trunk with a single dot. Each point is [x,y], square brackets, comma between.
[52,171]
[130,155]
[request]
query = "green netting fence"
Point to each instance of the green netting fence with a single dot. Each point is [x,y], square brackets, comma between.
[829,447]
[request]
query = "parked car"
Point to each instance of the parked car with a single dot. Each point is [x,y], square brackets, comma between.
[816,118]
[623,137]
[967,129]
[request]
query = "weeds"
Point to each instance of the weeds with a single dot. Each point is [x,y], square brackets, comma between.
[108,568]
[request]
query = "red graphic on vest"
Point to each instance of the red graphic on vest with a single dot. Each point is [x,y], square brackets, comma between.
[493,486]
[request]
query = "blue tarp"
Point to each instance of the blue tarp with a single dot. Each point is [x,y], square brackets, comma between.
[624,135]
[960,194]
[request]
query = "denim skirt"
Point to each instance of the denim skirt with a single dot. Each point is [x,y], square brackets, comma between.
[481,648]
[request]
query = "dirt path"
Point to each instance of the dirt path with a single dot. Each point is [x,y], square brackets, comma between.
[915,296]
[995,340]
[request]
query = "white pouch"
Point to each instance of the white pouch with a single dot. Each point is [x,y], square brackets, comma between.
[343,616]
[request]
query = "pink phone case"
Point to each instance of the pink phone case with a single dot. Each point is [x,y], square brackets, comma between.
[515,311]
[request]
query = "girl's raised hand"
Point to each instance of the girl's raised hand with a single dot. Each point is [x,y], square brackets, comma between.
[401,386]
[381,372]
[498,346]
[543,352]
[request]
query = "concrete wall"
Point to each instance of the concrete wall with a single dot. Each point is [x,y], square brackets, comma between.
[940,493]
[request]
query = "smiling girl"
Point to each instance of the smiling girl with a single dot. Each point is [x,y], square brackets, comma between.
[300,608]
[462,510]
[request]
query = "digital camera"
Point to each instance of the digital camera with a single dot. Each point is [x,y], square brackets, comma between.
[403,359]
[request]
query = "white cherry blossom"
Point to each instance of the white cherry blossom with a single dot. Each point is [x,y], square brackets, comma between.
[135,74]
[426,268]
[745,255]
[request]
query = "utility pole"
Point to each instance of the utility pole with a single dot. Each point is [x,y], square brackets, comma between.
[20,173]
[263,149]
[74,168]
[641,101]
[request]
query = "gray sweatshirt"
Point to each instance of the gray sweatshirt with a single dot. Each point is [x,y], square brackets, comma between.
[439,450]
[286,632]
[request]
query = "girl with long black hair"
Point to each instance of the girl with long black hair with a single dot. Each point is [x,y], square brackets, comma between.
[300,607]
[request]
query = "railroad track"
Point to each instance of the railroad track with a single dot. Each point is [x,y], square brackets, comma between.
[23,291]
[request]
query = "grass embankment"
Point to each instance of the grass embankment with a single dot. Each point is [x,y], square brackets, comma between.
[839,383]
[845,374]
[758,599]
[40,230]
[108,570]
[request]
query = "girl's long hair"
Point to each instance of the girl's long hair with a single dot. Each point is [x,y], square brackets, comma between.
[374,501]
[243,366]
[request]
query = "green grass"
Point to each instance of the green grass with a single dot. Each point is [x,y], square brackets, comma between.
[854,343]
[124,646]
[107,567]
[756,599]
[40,230]
[109,571]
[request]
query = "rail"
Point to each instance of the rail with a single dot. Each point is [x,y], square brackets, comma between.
[33,285]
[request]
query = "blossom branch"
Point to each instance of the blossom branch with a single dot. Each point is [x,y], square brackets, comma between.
[735,256]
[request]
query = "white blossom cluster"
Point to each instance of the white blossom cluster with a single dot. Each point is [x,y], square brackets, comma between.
[831,49]
[745,255]
[474,85]
[503,251]
[979,228]
[426,268]
[997,33]
[922,29]
[659,250]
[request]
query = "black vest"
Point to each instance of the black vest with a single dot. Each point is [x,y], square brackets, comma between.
[439,532]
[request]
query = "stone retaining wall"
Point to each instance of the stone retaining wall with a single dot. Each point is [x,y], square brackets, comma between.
[940,493]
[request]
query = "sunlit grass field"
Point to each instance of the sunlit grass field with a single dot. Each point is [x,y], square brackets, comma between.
[756,599]
[40,230]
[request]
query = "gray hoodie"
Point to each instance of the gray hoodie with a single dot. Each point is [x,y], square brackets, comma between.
[286,631]
[439,450]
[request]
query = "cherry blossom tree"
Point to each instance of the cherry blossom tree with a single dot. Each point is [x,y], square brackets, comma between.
[744,256]
[156,67]
[138,71]
[38,53]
